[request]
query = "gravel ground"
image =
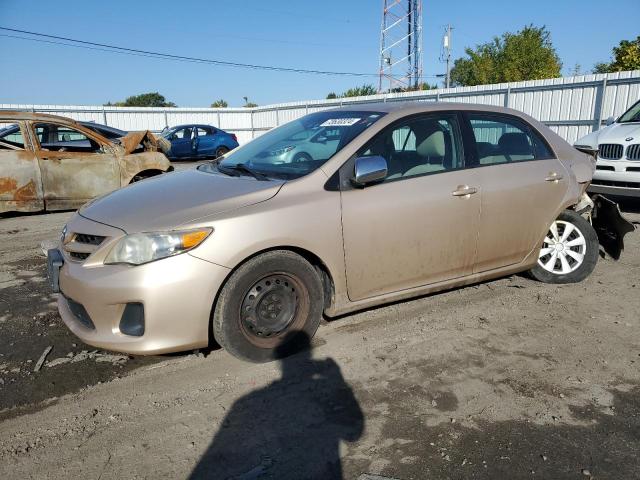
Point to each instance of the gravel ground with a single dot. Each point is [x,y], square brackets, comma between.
[505,379]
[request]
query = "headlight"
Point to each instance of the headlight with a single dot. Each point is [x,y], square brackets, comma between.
[281,151]
[139,248]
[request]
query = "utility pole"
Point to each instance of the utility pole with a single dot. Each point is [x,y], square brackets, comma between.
[446,45]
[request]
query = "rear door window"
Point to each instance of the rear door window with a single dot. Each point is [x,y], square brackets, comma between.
[505,139]
[204,132]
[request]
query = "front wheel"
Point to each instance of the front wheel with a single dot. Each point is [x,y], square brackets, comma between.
[264,302]
[569,252]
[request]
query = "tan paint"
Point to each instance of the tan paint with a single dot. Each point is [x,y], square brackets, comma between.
[379,244]
[33,178]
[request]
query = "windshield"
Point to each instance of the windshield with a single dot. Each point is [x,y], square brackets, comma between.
[299,147]
[631,115]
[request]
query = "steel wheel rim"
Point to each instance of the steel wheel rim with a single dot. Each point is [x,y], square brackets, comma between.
[273,306]
[563,249]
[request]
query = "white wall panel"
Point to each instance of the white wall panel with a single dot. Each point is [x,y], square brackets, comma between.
[571,106]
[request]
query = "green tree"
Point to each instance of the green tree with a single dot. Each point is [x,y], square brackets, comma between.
[513,57]
[413,88]
[248,104]
[151,99]
[331,96]
[360,91]
[626,56]
[219,104]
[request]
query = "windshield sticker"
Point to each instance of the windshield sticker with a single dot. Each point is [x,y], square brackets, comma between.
[340,122]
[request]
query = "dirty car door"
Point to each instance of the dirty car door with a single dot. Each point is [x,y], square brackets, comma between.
[419,226]
[20,185]
[75,165]
[522,183]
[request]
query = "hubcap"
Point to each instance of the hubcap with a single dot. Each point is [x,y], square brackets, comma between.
[562,249]
[270,306]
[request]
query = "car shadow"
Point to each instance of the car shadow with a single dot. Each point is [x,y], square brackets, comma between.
[290,429]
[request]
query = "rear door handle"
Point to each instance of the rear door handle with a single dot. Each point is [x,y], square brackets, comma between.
[553,177]
[464,191]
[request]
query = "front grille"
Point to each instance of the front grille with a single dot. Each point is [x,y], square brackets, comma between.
[80,313]
[633,169]
[633,151]
[605,167]
[610,151]
[89,239]
[82,245]
[607,183]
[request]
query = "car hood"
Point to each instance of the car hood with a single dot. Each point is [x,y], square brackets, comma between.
[619,132]
[168,201]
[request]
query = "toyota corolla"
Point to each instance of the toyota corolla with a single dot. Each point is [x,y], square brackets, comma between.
[411,198]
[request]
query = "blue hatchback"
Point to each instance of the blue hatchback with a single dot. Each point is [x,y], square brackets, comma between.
[198,141]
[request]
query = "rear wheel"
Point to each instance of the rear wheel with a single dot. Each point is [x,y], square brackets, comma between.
[302,157]
[220,151]
[264,301]
[569,252]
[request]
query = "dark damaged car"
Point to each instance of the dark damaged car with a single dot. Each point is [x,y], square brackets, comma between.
[50,163]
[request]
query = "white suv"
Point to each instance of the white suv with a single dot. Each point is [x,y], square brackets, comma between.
[618,145]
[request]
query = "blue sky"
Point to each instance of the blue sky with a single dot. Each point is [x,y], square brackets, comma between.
[338,35]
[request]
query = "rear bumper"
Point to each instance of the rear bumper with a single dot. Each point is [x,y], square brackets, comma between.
[177,294]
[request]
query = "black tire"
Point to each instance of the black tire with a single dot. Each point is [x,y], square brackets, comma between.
[590,252]
[145,174]
[302,157]
[279,279]
[221,151]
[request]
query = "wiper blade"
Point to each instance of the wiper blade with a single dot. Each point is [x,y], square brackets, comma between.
[242,168]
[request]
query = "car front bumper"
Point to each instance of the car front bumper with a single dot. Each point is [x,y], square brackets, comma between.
[176,293]
[622,178]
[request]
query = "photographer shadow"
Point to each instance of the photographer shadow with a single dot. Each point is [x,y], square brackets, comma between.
[290,429]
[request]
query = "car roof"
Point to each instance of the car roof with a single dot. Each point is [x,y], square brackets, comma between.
[194,125]
[100,126]
[16,115]
[422,106]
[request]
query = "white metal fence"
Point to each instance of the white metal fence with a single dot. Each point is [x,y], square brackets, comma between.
[572,106]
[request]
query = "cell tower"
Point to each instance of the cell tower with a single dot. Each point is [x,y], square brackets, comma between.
[401,44]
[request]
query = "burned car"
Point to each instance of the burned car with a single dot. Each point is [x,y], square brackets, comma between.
[49,162]
[411,199]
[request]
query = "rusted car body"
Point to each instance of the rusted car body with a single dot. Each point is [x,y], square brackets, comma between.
[49,162]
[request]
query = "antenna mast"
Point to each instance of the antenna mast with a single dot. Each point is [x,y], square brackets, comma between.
[401,44]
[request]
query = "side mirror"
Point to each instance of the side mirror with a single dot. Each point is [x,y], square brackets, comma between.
[610,120]
[321,140]
[369,169]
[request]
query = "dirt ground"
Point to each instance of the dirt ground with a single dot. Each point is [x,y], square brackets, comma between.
[505,379]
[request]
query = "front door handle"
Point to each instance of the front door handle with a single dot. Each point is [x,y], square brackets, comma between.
[464,191]
[553,177]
